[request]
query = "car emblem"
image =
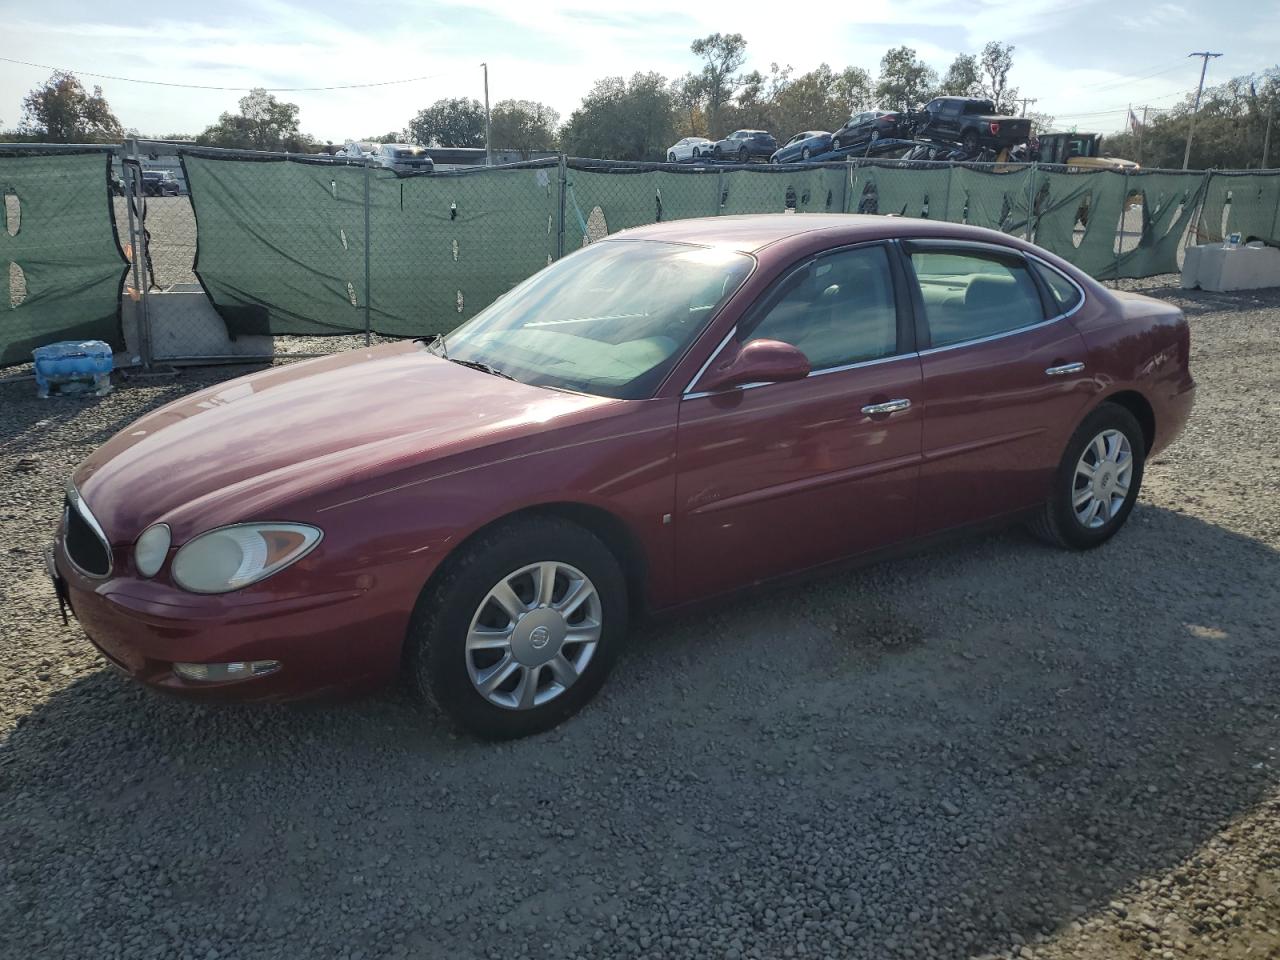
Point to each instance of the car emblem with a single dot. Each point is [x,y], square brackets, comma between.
[539,637]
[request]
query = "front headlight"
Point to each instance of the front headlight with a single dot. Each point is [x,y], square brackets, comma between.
[229,558]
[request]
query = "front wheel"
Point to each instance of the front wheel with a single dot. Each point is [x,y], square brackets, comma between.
[805,154]
[835,144]
[1097,482]
[671,157]
[696,153]
[520,630]
[742,155]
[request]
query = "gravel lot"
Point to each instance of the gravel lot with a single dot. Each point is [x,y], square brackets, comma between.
[989,748]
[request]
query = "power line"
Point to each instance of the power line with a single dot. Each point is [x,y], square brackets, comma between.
[1108,84]
[200,86]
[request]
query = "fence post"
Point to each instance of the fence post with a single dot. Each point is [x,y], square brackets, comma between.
[844,189]
[1124,199]
[562,167]
[368,292]
[719,192]
[132,168]
[946,208]
[1031,203]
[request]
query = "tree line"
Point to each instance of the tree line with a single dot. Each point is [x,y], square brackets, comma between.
[638,117]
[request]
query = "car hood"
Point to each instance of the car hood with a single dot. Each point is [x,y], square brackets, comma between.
[235,450]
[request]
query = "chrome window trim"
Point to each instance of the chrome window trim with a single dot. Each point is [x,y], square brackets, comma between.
[812,373]
[77,503]
[984,246]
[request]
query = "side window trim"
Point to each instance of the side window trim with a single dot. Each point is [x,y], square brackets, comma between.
[906,346]
[1052,303]
[975,247]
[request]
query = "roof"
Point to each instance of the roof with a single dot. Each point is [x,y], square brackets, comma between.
[750,233]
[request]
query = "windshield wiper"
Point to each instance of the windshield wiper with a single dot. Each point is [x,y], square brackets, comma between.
[482,367]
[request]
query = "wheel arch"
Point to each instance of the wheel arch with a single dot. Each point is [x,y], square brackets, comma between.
[1140,407]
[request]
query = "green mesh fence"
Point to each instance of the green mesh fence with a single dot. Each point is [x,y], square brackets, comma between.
[61,268]
[282,244]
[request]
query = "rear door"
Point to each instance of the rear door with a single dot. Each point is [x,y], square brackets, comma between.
[778,477]
[1005,381]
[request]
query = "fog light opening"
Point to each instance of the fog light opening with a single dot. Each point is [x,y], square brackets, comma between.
[222,672]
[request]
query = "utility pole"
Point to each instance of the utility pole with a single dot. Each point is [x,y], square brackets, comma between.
[1024,101]
[1204,56]
[488,146]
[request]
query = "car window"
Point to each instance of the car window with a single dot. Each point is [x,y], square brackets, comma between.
[1066,295]
[970,294]
[610,319]
[839,309]
[934,106]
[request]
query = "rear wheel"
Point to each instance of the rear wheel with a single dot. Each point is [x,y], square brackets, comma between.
[742,155]
[805,154]
[696,153]
[521,629]
[1096,483]
[970,141]
[835,144]
[671,157]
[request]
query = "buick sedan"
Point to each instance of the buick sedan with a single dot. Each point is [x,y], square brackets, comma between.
[668,415]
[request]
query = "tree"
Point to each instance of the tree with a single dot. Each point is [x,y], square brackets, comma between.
[997,61]
[392,136]
[687,98]
[756,105]
[263,123]
[855,90]
[623,120]
[961,78]
[455,122]
[524,125]
[61,112]
[724,55]
[813,101]
[906,82]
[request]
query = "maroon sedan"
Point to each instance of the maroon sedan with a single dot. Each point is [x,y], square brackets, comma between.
[667,415]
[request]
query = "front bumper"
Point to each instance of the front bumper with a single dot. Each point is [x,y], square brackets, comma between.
[339,642]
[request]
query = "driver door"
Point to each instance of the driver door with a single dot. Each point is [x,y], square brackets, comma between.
[779,477]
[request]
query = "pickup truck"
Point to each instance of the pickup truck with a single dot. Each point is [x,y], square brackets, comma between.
[970,122]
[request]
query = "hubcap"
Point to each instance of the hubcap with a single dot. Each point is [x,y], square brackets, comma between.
[533,635]
[1102,479]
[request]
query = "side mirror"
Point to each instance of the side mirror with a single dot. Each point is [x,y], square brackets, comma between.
[760,361]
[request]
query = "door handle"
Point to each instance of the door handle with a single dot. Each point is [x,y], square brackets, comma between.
[889,406]
[1065,368]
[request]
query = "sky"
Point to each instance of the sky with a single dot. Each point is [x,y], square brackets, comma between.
[1085,61]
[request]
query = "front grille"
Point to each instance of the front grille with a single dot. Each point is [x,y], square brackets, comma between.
[87,550]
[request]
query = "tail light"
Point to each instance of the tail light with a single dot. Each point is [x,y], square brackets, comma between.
[995,128]
[889,116]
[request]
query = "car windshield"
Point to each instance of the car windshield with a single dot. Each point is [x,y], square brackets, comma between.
[609,320]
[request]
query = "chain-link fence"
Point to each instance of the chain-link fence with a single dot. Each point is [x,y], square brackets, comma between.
[204,255]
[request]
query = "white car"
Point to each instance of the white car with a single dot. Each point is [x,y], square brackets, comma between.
[689,148]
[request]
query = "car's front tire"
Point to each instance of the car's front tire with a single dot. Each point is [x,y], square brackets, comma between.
[520,629]
[671,157]
[1097,482]
[835,144]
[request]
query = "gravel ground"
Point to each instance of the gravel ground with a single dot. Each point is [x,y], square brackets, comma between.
[990,748]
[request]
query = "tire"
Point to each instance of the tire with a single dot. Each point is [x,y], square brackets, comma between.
[441,664]
[1058,522]
[970,141]
[805,154]
[835,144]
[697,152]
[671,158]
[875,135]
[742,155]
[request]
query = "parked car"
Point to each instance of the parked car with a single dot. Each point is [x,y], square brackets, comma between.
[867,127]
[670,414]
[403,158]
[803,146]
[358,150]
[972,123]
[160,183]
[743,145]
[689,148]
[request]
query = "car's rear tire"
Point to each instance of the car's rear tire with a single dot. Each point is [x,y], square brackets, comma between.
[742,155]
[970,141]
[805,154]
[835,144]
[696,153]
[1097,482]
[671,157]
[505,607]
